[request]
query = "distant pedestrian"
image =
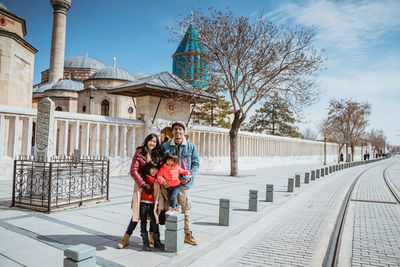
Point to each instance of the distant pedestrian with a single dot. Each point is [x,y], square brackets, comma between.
[368,156]
[365,156]
[341,156]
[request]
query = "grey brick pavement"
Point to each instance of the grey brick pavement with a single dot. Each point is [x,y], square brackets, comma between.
[294,238]
[376,229]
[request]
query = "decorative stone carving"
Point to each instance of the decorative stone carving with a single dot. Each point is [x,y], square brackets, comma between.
[44,129]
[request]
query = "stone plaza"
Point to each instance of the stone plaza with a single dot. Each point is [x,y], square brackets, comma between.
[293,230]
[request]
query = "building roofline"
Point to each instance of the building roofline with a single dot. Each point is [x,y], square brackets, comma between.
[16,17]
[18,39]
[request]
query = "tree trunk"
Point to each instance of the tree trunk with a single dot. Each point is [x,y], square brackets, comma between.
[237,120]
[352,153]
[347,153]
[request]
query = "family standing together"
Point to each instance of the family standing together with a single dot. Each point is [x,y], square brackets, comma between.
[163,175]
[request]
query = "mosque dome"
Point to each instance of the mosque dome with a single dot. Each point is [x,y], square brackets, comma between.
[67,85]
[113,73]
[84,62]
[2,6]
[42,88]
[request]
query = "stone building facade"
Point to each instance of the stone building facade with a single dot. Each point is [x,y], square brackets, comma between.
[16,60]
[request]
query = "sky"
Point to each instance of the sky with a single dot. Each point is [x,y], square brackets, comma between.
[360,39]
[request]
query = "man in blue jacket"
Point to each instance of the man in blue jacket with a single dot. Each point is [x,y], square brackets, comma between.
[188,160]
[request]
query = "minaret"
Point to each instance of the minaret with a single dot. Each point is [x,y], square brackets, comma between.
[56,70]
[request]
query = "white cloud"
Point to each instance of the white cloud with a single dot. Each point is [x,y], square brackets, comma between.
[347,26]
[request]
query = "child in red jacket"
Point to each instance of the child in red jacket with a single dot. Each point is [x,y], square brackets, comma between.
[147,207]
[168,175]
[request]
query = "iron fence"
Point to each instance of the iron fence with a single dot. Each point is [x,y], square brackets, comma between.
[59,182]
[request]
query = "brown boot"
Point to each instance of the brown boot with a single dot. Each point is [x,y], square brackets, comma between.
[151,238]
[124,242]
[190,239]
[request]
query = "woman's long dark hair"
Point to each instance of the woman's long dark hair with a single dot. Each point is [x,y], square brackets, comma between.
[156,152]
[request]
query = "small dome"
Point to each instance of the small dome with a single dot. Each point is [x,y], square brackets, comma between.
[2,6]
[42,88]
[84,62]
[68,85]
[113,73]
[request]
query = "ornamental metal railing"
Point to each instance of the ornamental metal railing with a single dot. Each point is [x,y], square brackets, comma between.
[60,182]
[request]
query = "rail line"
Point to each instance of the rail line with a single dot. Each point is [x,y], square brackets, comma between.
[332,253]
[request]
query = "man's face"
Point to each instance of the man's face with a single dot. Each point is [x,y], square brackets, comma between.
[178,132]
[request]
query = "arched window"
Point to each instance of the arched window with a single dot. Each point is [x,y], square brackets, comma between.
[105,108]
[58,108]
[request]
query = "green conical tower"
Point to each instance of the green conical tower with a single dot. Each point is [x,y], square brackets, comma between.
[189,59]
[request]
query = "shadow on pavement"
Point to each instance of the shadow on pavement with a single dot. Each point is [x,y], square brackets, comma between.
[206,223]
[101,242]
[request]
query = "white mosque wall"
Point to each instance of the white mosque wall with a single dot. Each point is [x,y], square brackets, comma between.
[117,139]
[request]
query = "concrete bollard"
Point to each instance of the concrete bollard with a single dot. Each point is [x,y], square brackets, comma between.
[322,172]
[317,174]
[307,178]
[312,175]
[253,200]
[174,232]
[330,169]
[297,180]
[79,256]
[290,185]
[269,195]
[326,170]
[225,212]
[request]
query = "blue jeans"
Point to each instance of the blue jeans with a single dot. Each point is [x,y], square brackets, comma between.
[172,195]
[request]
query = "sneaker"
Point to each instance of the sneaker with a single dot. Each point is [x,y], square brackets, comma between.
[190,239]
[169,211]
[178,209]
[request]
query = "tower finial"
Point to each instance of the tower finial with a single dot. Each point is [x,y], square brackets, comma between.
[114,64]
[86,53]
[191,17]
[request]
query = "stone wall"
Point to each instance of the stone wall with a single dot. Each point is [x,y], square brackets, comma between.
[16,72]
[9,24]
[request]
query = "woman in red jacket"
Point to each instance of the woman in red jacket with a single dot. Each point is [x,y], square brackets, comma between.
[149,151]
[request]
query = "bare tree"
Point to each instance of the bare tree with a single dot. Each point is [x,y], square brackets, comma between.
[346,122]
[309,134]
[250,59]
[377,139]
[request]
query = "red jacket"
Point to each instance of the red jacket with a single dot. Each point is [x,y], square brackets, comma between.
[171,175]
[137,166]
[149,197]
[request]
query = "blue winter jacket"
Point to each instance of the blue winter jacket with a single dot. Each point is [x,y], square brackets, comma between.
[188,158]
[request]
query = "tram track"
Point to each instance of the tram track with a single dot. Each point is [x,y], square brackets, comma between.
[332,254]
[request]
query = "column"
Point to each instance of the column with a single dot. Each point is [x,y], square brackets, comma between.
[107,140]
[97,139]
[131,142]
[209,145]
[65,143]
[203,144]
[16,136]
[114,141]
[122,142]
[2,134]
[87,139]
[27,136]
[55,140]
[76,135]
